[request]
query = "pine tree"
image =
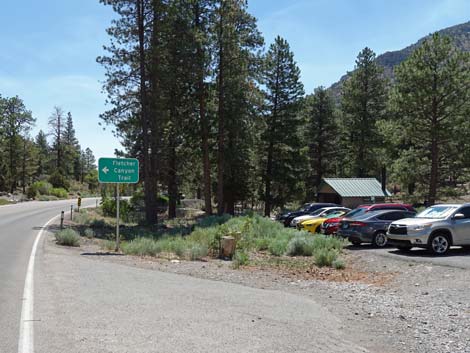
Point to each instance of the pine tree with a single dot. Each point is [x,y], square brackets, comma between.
[281,139]
[236,39]
[363,104]
[132,54]
[321,137]
[431,98]
[57,127]
[71,148]
[16,120]
[43,151]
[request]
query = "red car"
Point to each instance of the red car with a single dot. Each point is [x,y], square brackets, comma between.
[330,226]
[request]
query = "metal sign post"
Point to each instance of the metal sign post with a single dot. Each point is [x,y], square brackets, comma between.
[117,218]
[118,171]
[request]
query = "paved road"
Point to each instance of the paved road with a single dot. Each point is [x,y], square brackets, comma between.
[456,257]
[84,305]
[19,225]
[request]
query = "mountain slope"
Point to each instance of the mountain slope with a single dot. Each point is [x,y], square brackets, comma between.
[460,34]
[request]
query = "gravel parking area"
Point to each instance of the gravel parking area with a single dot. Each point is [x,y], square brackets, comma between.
[389,304]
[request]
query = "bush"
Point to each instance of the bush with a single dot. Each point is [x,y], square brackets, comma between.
[142,247]
[89,233]
[339,264]
[81,218]
[278,246]
[241,258]
[300,246]
[68,237]
[325,257]
[42,187]
[59,181]
[109,245]
[59,193]
[109,208]
[197,252]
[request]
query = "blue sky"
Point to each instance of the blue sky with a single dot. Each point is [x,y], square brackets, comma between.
[49,47]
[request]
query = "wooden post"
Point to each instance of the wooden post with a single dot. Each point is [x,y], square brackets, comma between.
[62,220]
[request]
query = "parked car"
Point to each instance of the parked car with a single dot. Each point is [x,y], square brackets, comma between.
[330,226]
[371,227]
[307,209]
[321,212]
[436,228]
[314,225]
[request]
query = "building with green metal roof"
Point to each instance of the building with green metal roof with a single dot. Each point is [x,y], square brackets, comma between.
[352,192]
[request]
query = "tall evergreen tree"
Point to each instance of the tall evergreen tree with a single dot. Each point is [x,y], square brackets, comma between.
[281,139]
[431,98]
[236,39]
[16,120]
[321,137]
[364,100]
[43,151]
[57,127]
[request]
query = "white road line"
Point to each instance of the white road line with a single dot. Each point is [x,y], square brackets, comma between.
[26,340]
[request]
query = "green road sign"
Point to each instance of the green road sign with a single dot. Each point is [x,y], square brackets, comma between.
[118,170]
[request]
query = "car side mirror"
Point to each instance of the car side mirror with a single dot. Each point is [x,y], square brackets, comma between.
[459,216]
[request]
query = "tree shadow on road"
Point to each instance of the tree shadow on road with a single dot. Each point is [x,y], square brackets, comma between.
[99,253]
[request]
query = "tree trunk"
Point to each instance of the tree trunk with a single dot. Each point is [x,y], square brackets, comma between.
[149,190]
[269,172]
[204,123]
[221,128]
[172,183]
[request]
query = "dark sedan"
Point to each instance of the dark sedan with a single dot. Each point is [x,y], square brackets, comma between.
[371,227]
[306,209]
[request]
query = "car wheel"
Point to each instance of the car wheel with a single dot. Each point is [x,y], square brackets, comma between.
[439,244]
[318,230]
[404,248]
[356,242]
[380,239]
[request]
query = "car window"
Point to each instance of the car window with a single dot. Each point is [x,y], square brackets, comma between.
[465,211]
[391,216]
[436,212]
[356,212]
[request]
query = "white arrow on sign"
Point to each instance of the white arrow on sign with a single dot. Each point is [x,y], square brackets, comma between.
[105,170]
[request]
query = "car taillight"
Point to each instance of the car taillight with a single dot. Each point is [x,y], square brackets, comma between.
[357,224]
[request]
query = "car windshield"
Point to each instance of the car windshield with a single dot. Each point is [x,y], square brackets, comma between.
[336,214]
[317,212]
[436,212]
[356,212]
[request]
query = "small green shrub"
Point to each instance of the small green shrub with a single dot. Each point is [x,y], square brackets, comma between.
[89,233]
[262,244]
[300,246]
[42,187]
[241,258]
[339,264]
[197,252]
[67,237]
[109,208]
[60,193]
[109,245]
[81,218]
[325,257]
[278,246]
[141,247]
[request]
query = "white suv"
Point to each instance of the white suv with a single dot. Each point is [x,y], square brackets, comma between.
[436,228]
